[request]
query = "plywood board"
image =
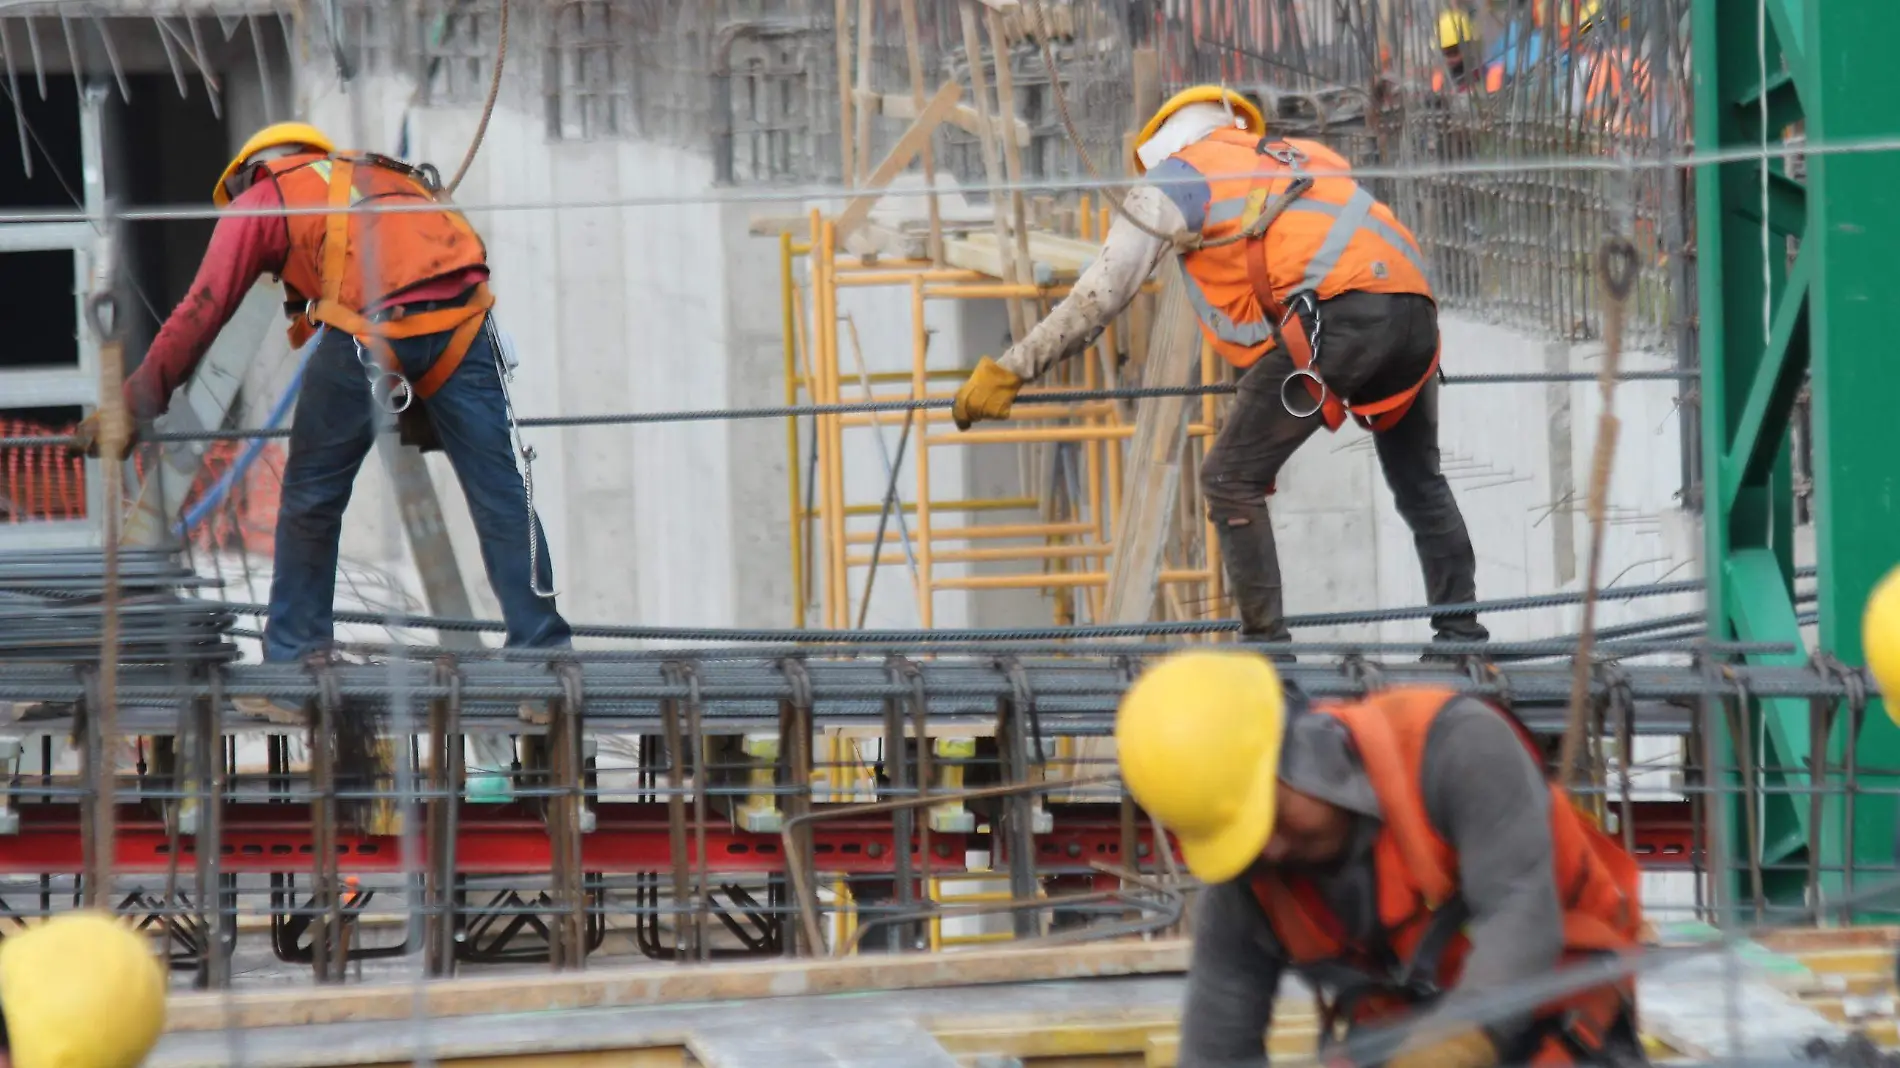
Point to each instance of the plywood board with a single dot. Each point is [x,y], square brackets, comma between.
[1151,485]
[670,984]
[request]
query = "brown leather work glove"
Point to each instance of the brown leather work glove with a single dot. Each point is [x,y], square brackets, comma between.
[1468,1049]
[988,394]
[86,437]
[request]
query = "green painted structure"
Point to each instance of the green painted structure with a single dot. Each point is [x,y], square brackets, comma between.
[1818,300]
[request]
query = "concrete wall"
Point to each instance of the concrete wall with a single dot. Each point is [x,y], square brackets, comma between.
[1518,458]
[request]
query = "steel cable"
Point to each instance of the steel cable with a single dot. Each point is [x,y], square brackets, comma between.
[785,411]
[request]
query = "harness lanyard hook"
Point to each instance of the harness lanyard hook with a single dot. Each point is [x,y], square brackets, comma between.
[1294,384]
[527,456]
[388,388]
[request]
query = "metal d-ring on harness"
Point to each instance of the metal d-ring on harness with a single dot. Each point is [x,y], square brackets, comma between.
[1311,371]
[527,455]
[389,389]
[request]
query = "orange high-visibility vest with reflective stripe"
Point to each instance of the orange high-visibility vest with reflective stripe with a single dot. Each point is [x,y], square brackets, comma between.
[1598,884]
[1335,239]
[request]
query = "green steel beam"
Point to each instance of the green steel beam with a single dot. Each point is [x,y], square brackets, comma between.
[1751,371]
[1854,231]
[1827,67]
[1761,427]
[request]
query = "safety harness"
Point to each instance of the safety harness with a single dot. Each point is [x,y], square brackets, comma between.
[373,330]
[1591,1030]
[1303,346]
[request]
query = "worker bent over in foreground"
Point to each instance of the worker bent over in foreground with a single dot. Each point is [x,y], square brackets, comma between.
[1387,851]
[80,990]
[404,300]
[1315,292]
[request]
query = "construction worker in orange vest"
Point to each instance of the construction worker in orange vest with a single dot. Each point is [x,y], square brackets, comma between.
[1389,851]
[403,297]
[1315,291]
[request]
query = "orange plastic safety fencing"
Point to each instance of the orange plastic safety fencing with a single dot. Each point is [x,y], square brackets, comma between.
[39,484]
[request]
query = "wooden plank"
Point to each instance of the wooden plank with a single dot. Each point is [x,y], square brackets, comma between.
[1013,163]
[992,167]
[670,984]
[1147,100]
[913,58]
[1150,494]
[867,16]
[774,225]
[840,19]
[899,157]
[878,1044]
[1063,253]
[896,106]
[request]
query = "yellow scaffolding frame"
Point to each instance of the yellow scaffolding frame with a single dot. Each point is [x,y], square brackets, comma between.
[1067,548]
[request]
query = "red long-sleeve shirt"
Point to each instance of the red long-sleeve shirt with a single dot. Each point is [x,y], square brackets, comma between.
[243,249]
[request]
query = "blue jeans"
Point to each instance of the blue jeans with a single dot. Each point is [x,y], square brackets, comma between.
[335,426]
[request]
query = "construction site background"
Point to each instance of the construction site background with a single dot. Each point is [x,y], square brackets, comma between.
[695,118]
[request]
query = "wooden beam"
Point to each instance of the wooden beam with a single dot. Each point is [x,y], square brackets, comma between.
[913,57]
[1013,162]
[840,20]
[899,157]
[992,166]
[669,984]
[963,117]
[1150,497]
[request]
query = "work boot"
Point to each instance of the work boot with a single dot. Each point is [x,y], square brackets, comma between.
[1253,576]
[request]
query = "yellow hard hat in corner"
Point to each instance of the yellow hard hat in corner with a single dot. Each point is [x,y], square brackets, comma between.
[1198,738]
[1244,109]
[1880,639]
[81,990]
[277,135]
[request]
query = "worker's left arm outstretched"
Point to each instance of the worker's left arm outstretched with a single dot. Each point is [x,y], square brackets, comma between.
[1129,255]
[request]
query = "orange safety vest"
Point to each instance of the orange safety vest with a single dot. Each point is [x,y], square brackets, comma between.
[1335,238]
[1598,885]
[1493,79]
[1622,108]
[327,270]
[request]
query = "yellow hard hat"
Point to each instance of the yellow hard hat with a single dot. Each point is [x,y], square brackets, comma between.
[1198,737]
[1244,110]
[80,991]
[280,135]
[1454,28]
[1880,639]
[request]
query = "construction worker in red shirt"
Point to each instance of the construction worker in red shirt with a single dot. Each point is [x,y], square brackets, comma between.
[1311,288]
[80,990]
[1389,851]
[403,300]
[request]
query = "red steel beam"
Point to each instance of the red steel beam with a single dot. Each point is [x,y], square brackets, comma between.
[499,840]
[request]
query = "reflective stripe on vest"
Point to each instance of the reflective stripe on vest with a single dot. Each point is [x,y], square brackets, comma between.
[1226,329]
[1348,219]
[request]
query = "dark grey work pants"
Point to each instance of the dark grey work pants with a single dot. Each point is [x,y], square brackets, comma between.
[1372,346]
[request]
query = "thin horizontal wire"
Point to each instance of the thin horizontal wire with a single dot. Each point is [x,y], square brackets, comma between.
[785,411]
[1514,167]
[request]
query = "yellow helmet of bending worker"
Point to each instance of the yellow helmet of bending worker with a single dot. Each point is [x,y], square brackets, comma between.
[1880,639]
[81,990]
[280,138]
[1454,29]
[1244,110]
[1198,738]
